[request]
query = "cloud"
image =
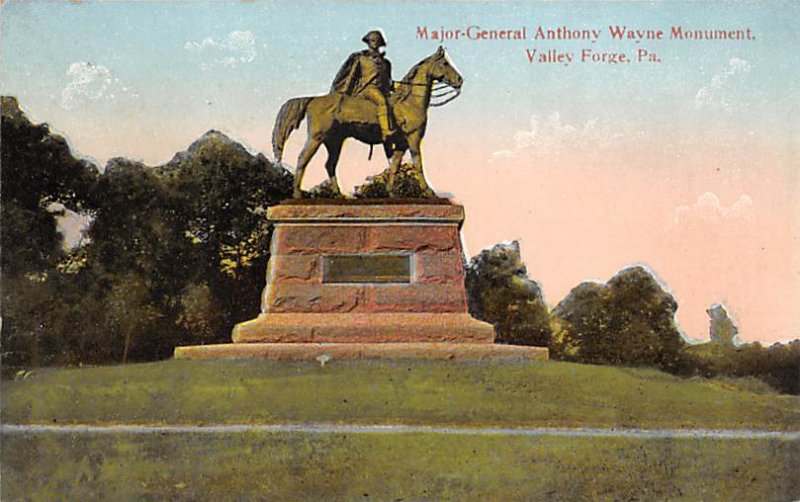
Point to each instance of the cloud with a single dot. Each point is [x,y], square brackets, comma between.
[88,82]
[549,135]
[708,208]
[235,47]
[722,91]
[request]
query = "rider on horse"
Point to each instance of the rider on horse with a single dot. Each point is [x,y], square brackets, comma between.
[332,118]
[368,74]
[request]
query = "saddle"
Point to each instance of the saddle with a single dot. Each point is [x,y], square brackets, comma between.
[359,109]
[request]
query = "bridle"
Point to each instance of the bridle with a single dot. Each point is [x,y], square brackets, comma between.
[440,89]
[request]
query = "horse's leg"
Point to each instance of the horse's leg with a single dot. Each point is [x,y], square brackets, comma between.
[415,147]
[309,149]
[396,158]
[334,147]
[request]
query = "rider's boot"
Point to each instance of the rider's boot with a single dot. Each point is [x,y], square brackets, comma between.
[386,130]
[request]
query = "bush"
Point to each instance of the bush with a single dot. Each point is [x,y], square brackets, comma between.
[628,321]
[499,292]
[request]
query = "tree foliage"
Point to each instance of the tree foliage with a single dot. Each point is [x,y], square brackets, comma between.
[500,292]
[225,193]
[777,365]
[38,169]
[628,321]
[175,254]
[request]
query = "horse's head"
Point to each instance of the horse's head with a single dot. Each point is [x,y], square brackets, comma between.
[442,70]
[434,69]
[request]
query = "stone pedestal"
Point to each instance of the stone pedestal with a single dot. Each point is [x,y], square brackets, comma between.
[359,278]
[365,273]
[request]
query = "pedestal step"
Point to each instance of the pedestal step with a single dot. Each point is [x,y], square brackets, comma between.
[325,352]
[379,327]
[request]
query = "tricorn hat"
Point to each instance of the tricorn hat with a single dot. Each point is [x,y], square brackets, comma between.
[381,40]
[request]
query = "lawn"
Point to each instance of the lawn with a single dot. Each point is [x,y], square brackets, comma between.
[294,465]
[531,394]
[299,466]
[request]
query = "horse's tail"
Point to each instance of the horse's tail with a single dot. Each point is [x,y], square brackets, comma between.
[289,118]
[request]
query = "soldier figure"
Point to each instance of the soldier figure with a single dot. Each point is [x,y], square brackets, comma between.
[368,74]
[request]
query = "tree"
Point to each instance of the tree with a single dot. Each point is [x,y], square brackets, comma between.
[138,260]
[499,292]
[722,330]
[226,193]
[131,314]
[628,321]
[38,170]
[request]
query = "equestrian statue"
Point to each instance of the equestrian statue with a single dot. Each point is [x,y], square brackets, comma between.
[366,104]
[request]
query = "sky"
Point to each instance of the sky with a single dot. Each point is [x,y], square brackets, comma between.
[686,161]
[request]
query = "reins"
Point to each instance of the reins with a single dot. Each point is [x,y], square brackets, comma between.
[437,91]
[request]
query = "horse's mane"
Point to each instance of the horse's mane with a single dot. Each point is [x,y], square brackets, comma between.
[403,91]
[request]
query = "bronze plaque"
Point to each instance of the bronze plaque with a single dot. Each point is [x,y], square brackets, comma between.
[366,268]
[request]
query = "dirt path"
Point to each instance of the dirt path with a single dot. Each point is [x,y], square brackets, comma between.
[402,429]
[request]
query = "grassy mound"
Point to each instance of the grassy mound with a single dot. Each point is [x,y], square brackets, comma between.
[532,394]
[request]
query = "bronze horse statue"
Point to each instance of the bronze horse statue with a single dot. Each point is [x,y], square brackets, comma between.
[332,118]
